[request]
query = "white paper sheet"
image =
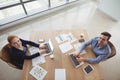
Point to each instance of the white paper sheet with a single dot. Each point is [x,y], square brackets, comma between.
[60,74]
[39,59]
[63,37]
[60,38]
[70,37]
[65,47]
[77,47]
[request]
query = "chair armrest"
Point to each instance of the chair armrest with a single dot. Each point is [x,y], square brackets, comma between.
[12,65]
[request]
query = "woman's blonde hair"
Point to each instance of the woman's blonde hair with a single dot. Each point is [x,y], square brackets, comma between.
[11,37]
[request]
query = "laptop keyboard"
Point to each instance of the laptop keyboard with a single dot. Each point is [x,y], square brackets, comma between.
[74,60]
[47,47]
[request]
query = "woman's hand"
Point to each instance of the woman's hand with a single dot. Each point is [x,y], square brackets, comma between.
[42,46]
[42,51]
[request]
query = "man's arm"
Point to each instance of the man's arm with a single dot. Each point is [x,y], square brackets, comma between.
[85,45]
[97,59]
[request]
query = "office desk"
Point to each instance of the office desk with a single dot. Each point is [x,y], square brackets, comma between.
[61,60]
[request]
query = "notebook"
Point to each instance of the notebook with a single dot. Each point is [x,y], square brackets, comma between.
[74,61]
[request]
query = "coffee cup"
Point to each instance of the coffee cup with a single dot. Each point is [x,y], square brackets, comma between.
[52,56]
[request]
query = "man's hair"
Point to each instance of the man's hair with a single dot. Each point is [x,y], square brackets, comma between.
[106,34]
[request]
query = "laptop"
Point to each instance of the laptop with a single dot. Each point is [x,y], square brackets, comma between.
[74,61]
[49,47]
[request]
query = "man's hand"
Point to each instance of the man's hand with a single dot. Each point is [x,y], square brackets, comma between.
[77,54]
[81,59]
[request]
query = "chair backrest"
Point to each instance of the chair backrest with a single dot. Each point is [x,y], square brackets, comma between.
[113,50]
[4,55]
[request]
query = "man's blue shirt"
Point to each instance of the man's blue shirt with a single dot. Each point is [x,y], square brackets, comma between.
[101,53]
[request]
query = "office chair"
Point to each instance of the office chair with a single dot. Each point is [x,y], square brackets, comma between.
[113,50]
[4,55]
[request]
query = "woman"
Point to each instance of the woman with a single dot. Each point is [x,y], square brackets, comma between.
[18,48]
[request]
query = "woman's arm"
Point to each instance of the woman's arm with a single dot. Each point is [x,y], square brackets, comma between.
[29,42]
[18,54]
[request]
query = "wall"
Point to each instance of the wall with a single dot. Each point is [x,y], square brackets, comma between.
[111,8]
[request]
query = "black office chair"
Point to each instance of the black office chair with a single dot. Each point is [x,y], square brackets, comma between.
[113,50]
[4,55]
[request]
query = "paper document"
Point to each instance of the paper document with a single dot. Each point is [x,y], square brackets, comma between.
[38,72]
[63,37]
[70,37]
[38,60]
[34,50]
[77,47]
[60,38]
[65,47]
[60,74]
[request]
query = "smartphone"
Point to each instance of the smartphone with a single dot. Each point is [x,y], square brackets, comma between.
[81,40]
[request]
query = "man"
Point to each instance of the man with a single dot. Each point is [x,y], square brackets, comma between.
[99,46]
